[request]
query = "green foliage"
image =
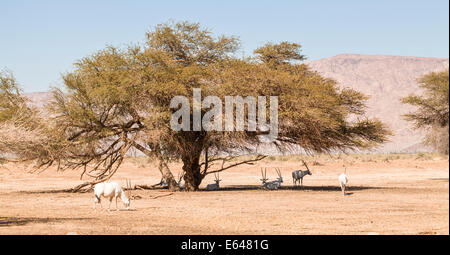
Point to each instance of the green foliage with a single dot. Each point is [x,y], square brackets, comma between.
[432,109]
[433,105]
[438,137]
[24,133]
[190,44]
[11,102]
[277,54]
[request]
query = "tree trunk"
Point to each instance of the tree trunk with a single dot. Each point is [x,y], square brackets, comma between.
[163,168]
[167,175]
[195,142]
[191,166]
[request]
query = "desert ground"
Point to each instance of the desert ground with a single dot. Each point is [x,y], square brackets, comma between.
[388,194]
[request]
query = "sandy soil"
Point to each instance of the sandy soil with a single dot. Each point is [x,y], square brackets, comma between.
[399,196]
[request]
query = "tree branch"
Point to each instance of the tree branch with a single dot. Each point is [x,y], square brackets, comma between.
[247,162]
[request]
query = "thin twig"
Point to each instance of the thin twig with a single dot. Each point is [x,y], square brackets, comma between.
[161,196]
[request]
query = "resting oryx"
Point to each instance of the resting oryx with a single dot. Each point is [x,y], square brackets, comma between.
[273,185]
[297,175]
[111,190]
[181,182]
[216,185]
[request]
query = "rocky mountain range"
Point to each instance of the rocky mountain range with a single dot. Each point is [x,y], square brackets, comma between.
[386,79]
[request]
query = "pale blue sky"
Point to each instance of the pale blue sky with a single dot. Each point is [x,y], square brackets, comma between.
[39,40]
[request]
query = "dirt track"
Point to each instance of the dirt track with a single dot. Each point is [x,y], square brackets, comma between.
[398,196]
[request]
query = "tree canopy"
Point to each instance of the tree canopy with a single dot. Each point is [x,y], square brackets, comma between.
[277,54]
[24,133]
[11,102]
[432,109]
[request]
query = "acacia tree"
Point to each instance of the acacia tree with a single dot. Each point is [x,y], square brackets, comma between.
[24,134]
[11,105]
[117,99]
[432,109]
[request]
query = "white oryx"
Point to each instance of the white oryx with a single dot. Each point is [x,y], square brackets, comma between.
[111,190]
[273,185]
[297,175]
[343,180]
[214,186]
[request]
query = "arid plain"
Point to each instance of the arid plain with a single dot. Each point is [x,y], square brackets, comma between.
[388,194]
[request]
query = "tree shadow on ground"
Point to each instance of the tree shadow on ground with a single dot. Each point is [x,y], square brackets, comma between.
[239,188]
[20,221]
[305,188]
[439,179]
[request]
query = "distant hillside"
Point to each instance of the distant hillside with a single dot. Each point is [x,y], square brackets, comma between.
[385,79]
[39,99]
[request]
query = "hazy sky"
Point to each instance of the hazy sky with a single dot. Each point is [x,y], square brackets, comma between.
[39,40]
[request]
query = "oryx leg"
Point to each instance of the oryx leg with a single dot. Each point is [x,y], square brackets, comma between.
[343,189]
[97,201]
[110,202]
[117,209]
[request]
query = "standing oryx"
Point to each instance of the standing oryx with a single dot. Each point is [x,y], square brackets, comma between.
[216,185]
[343,180]
[111,190]
[298,175]
[273,185]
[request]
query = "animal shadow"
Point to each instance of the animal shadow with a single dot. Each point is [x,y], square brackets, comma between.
[439,179]
[125,210]
[20,221]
